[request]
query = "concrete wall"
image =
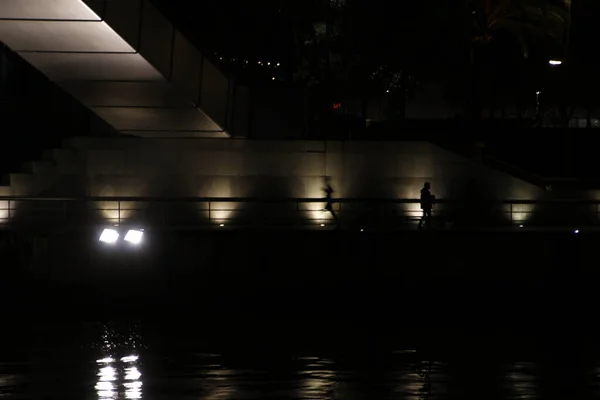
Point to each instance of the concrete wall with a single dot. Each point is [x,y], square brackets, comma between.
[239,168]
[132,167]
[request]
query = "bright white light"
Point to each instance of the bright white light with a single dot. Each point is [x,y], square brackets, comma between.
[555,62]
[135,237]
[322,224]
[133,390]
[132,374]
[129,359]
[576,231]
[520,226]
[273,78]
[538,92]
[107,374]
[362,230]
[106,360]
[109,236]
[105,387]
[221,225]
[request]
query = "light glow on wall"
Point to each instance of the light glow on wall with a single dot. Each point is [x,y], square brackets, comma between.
[316,214]
[412,191]
[411,210]
[519,213]
[118,212]
[7,211]
[219,212]
[521,191]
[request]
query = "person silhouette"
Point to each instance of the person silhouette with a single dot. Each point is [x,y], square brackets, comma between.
[329,204]
[427,200]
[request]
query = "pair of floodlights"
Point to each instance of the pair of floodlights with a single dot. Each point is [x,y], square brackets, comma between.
[111,236]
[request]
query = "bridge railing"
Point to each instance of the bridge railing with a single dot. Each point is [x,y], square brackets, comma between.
[198,213]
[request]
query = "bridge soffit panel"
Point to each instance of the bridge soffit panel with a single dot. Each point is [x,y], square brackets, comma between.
[120,55]
[47,10]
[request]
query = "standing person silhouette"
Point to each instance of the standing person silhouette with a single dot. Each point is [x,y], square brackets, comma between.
[427,200]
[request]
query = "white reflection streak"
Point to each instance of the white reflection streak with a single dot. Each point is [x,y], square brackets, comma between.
[133,384]
[106,386]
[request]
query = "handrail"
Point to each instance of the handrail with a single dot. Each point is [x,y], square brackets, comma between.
[205,212]
[162,199]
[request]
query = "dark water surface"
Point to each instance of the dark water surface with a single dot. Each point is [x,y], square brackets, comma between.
[199,360]
[378,317]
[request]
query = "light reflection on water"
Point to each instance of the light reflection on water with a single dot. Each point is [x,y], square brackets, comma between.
[121,367]
[218,382]
[419,380]
[118,375]
[521,381]
[317,379]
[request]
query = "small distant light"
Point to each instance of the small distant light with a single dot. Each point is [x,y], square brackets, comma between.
[362,230]
[538,92]
[322,225]
[134,236]
[273,78]
[576,231]
[109,236]
[221,225]
[555,62]
[278,64]
[106,360]
[387,91]
[520,226]
[268,63]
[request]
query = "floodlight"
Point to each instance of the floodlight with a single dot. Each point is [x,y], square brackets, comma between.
[109,236]
[134,236]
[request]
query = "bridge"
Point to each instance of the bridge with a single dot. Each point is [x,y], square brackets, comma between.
[126,62]
[60,214]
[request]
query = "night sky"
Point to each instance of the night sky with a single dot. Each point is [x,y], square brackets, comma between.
[262,28]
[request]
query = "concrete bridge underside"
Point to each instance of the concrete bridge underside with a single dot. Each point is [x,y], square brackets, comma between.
[125,61]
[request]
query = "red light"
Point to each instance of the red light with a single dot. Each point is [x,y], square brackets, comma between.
[337,106]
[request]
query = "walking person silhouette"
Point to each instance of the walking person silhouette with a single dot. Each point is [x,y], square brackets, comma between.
[328,196]
[427,200]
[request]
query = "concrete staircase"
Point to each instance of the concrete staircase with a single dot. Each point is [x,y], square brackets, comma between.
[44,177]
